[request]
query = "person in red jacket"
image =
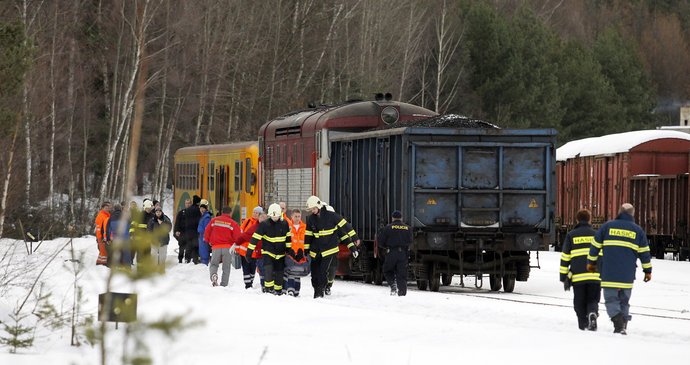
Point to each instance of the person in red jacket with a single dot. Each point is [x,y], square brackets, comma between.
[221,233]
[248,228]
[101,221]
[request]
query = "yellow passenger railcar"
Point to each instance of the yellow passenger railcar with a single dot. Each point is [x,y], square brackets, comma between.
[224,174]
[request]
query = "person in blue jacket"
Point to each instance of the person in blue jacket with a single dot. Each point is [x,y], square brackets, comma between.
[622,242]
[204,247]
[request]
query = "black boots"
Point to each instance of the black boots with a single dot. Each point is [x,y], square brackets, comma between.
[619,324]
[592,321]
[394,290]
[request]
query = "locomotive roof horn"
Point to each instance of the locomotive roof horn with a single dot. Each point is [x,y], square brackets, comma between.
[378,96]
[388,96]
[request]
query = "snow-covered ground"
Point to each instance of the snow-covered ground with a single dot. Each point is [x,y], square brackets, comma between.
[362,324]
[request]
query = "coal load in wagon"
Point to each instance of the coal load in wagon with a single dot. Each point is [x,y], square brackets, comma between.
[445,121]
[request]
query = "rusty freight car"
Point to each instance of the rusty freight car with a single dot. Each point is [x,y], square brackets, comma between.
[647,168]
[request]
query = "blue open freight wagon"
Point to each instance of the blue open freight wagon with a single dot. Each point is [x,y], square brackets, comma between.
[478,199]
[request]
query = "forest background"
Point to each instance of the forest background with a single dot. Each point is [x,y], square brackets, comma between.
[218,69]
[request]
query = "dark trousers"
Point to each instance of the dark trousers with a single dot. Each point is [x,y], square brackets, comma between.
[273,273]
[331,272]
[320,267]
[182,247]
[191,250]
[248,271]
[395,269]
[586,300]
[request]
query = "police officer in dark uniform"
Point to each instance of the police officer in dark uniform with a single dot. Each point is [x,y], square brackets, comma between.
[395,239]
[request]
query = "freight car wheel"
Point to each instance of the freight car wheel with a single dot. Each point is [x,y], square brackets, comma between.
[660,251]
[508,283]
[378,274]
[495,282]
[446,279]
[434,279]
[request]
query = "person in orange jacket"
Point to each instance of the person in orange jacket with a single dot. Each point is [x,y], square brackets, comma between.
[101,221]
[248,228]
[295,250]
[221,233]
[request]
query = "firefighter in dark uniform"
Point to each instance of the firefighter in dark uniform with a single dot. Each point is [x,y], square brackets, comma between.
[321,238]
[586,285]
[395,239]
[276,238]
[622,243]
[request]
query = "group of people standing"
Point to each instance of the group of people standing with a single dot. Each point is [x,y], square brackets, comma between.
[280,247]
[137,235]
[604,259]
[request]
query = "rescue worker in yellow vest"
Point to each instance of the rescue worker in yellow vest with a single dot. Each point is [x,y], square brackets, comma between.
[622,242]
[324,231]
[586,285]
[275,236]
[396,239]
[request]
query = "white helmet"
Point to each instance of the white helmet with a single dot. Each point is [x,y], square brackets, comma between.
[274,211]
[314,202]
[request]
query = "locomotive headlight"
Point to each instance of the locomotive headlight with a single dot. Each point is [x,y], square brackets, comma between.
[390,115]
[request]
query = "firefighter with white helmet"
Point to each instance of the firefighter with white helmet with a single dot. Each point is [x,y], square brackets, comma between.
[275,236]
[325,229]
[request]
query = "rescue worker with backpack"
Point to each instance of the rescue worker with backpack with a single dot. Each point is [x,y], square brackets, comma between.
[321,239]
[573,271]
[275,235]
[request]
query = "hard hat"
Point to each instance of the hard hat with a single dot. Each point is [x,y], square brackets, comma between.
[203,202]
[314,202]
[148,204]
[275,211]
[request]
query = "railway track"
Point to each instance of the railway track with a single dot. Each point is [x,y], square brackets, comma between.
[552,301]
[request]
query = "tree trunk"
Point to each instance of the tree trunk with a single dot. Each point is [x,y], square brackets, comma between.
[71,107]
[8,176]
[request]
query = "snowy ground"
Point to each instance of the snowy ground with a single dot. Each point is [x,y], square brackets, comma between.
[358,324]
[362,324]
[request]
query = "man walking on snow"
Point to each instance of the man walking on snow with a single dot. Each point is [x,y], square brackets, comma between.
[622,242]
[221,233]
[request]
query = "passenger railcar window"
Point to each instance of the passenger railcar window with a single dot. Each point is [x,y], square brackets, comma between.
[238,175]
[248,175]
[211,176]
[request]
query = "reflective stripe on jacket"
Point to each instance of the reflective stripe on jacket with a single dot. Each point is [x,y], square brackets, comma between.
[622,243]
[574,255]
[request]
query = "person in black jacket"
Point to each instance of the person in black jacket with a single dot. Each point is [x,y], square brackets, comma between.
[160,225]
[275,236]
[586,285]
[324,232]
[179,230]
[395,239]
[192,216]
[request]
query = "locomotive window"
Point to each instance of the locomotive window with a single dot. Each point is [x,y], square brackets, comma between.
[283,155]
[301,152]
[294,154]
[238,175]
[277,156]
